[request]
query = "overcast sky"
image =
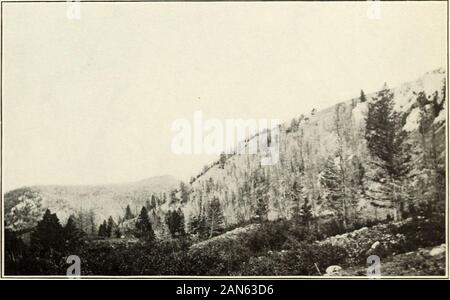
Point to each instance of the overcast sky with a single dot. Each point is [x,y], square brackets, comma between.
[92,100]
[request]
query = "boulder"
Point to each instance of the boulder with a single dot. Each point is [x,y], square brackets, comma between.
[437,250]
[375,245]
[333,270]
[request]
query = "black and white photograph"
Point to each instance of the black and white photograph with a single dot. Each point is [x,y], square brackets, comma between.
[224,139]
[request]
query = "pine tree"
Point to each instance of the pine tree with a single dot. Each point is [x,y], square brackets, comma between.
[117,232]
[294,125]
[85,221]
[184,192]
[215,218]
[386,143]
[260,191]
[362,97]
[103,229]
[222,160]
[175,223]
[262,207]
[333,189]
[128,214]
[153,202]
[306,213]
[111,227]
[343,167]
[173,197]
[144,230]
[198,225]
[298,200]
[47,239]
[148,205]
[73,236]
[91,228]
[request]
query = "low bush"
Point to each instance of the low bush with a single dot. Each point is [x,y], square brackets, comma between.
[422,232]
[306,259]
[220,258]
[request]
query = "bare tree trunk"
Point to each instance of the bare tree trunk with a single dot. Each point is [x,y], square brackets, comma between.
[212,227]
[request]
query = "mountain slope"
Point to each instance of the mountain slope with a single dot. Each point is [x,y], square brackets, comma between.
[306,145]
[23,206]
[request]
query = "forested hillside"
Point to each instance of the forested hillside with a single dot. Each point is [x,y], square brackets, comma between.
[90,204]
[365,176]
[374,157]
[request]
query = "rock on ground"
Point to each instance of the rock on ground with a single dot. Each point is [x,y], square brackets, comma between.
[423,262]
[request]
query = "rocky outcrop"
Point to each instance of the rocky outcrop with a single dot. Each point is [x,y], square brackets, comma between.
[422,262]
[229,235]
[332,270]
[361,243]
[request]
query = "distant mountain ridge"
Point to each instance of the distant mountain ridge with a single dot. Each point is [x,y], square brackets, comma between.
[103,200]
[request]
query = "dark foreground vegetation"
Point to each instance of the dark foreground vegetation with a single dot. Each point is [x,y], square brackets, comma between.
[283,247]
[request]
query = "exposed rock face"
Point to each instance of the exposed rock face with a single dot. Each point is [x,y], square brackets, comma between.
[366,241]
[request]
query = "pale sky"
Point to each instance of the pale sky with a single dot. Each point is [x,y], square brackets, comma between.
[92,101]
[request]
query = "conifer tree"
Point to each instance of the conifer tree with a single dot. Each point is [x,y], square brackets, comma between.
[86,222]
[333,189]
[111,227]
[73,236]
[222,160]
[102,230]
[306,213]
[144,230]
[47,239]
[173,197]
[294,125]
[262,208]
[362,97]
[148,205]
[153,202]
[128,214]
[215,218]
[386,143]
[184,192]
[198,225]
[175,223]
[298,200]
